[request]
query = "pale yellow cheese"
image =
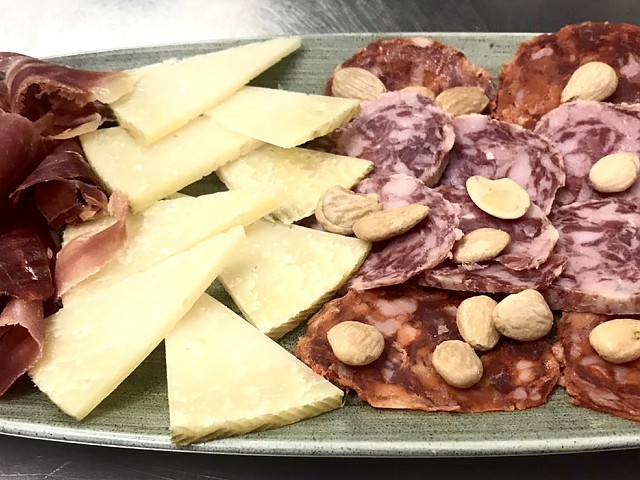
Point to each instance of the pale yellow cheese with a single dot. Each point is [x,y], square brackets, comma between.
[282,273]
[282,118]
[92,346]
[169,95]
[170,227]
[147,174]
[226,378]
[304,174]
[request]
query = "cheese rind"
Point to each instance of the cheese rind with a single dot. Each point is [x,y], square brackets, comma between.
[148,174]
[171,94]
[226,378]
[94,344]
[282,273]
[304,174]
[282,118]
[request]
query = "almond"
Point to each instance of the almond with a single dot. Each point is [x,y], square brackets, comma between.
[355,343]
[617,341]
[339,208]
[420,90]
[615,173]
[462,100]
[386,224]
[457,363]
[356,83]
[480,245]
[591,81]
[502,198]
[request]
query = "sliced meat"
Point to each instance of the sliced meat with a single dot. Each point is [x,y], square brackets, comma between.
[413,322]
[400,132]
[584,132]
[394,261]
[531,83]
[420,61]
[601,238]
[497,149]
[591,381]
[63,187]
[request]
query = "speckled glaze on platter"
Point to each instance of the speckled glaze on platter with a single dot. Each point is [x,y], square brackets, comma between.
[136,415]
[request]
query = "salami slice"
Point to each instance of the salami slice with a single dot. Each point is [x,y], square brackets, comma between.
[601,238]
[591,381]
[420,61]
[400,132]
[497,149]
[394,261]
[413,322]
[584,132]
[531,83]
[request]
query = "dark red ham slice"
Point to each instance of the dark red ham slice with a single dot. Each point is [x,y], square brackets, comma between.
[413,322]
[424,246]
[496,149]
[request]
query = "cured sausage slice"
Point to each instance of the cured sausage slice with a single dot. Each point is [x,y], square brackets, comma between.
[601,238]
[584,132]
[531,83]
[400,132]
[497,149]
[394,261]
[591,381]
[420,61]
[413,322]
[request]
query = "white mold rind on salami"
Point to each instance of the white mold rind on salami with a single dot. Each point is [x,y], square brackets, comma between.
[496,149]
[400,132]
[584,132]
[601,238]
[426,245]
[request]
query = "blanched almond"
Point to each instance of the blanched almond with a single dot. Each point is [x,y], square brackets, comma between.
[420,90]
[591,81]
[379,226]
[356,83]
[615,173]
[502,198]
[480,245]
[523,316]
[475,323]
[457,363]
[617,341]
[462,100]
[339,208]
[355,343]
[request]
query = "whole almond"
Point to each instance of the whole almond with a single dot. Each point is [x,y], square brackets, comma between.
[355,343]
[617,341]
[457,363]
[480,245]
[379,226]
[591,81]
[356,83]
[523,316]
[502,198]
[462,100]
[615,173]
[339,208]
[475,323]
[420,90]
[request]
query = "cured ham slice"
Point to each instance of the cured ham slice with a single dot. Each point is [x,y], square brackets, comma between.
[532,82]
[394,261]
[601,238]
[591,381]
[584,132]
[60,98]
[496,149]
[413,322]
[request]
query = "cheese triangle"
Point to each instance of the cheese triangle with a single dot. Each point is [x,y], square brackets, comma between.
[148,174]
[94,344]
[169,95]
[282,273]
[226,378]
[282,118]
[304,174]
[172,226]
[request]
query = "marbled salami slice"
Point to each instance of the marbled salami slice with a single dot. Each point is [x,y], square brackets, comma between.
[420,61]
[400,132]
[601,238]
[531,83]
[413,322]
[394,261]
[584,132]
[497,149]
[591,381]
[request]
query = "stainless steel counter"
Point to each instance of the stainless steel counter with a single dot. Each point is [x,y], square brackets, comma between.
[57,27]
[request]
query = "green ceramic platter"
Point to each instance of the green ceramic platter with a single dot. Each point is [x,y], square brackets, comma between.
[136,414]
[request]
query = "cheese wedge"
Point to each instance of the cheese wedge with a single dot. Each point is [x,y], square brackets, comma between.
[170,227]
[304,174]
[95,344]
[147,174]
[169,95]
[226,378]
[282,273]
[282,118]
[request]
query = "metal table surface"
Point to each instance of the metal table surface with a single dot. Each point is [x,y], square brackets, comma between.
[57,27]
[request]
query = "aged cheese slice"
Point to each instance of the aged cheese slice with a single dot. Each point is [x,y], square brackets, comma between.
[147,174]
[226,378]
[304,174]
[282,273]
[282,118]
[169,95]
[92,346]
[172,226]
